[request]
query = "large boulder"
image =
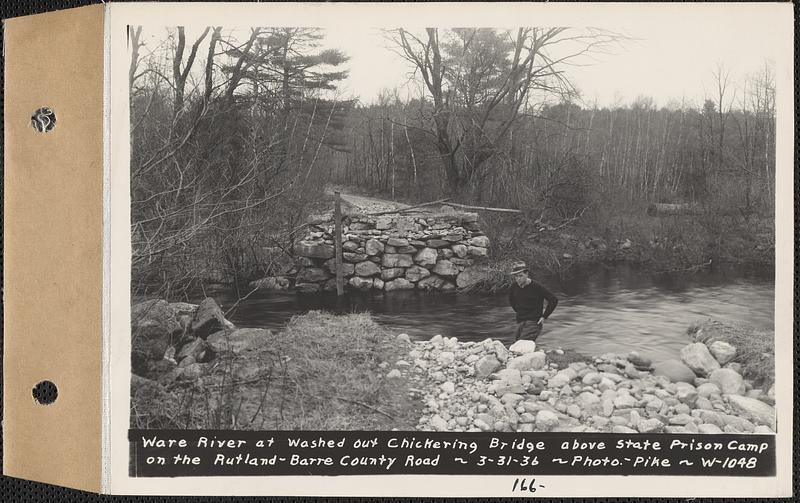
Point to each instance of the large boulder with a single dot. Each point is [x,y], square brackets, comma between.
[486,366]
[239,340]
[432,282]
[722,351]
[348,269]
[391,273]
[196,349]
[373,247]
[156,326]
[312,275]
[154,318]
[546,420]
[416,273]
[528,361]
[481,241]
[477,251]
[397,260]
[686,393]
[523,346]
[755,410]
[728,380]
[360,283]
[708,389]
[426,257]
[675,371]
[367,269]
[313,249]
[354,257]
[698,358]
[397,242]
[639,361]
[445,268]
[398,284]
[350,246]
[460,250]
[208,319]
[437,243]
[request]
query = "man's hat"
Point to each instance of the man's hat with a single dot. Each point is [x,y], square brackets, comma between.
[518,267]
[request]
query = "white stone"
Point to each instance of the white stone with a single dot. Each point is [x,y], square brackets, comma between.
[722,351]
[416,273]
[426,257]
[445,268]
[708,389]
[546,420]
[709,429]
[755,410]
[728,380]
[589,402]
[528,361]
[373,247]
[398,284]
[481,241]
[446,358]
[367,268]
[591,378]
[438,423]
[448,387]
[698,358]
[523,346]
[650,426]
[477,251]
[574,411]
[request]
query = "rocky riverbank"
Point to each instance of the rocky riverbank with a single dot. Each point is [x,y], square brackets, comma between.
[192,368]
[484,386]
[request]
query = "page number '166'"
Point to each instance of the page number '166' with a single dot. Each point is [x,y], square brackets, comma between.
[523,485]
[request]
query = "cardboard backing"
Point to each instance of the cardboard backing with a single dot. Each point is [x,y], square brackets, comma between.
[53,247]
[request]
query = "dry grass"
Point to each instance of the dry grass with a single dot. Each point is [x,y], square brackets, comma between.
[495,279]
[335,377]
[755,349]
[320,373]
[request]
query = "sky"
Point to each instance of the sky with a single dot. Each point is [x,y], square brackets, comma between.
[667,58]
[656,61]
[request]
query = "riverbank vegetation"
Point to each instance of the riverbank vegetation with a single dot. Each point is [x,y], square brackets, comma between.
[322,372]
[755,348]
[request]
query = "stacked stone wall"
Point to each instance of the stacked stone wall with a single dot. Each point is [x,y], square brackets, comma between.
[431,252]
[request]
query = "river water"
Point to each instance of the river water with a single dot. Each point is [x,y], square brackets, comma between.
[604,310]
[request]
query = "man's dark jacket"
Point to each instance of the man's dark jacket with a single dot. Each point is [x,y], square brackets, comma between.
[528,301]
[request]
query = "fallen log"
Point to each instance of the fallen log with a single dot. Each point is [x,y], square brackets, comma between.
[485,208]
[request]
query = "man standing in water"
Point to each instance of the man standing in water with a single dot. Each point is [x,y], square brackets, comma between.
[527,298]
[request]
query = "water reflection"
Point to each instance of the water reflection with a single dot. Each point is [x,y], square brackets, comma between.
[615,309]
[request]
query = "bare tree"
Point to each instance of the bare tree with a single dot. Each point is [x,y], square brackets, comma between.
[480,80]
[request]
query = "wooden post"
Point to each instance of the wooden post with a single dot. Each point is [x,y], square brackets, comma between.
[337,238]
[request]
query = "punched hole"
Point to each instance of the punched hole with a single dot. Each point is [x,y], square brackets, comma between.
[43,120]
[45,393]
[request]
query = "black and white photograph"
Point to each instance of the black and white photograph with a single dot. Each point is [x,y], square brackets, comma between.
[491,229]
